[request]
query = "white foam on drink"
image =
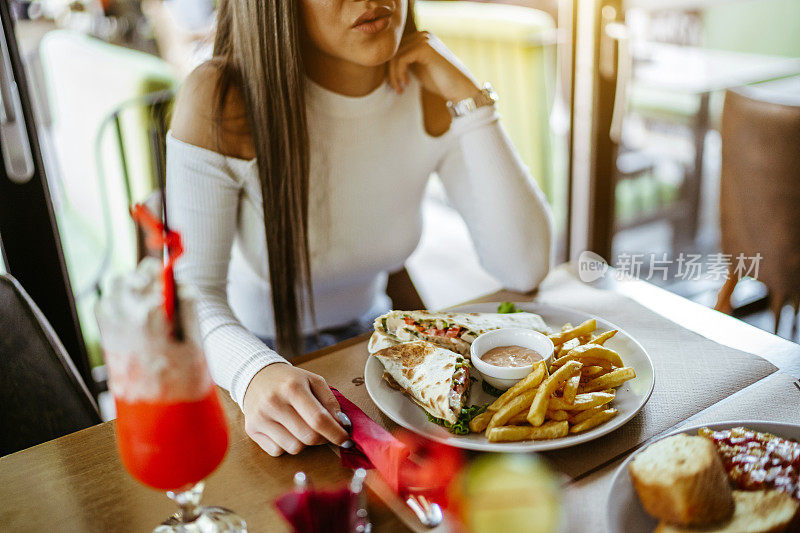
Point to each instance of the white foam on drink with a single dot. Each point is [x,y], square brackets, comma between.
[144,362]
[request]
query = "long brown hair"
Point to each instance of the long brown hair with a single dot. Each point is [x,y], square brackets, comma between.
[258,49]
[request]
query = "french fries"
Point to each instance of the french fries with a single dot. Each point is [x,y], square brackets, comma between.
[582,401]
[603,337]
[517,405]
[573,395]
[583,329]
[588,373]
[549,430]
[580,416]
[480,422]
[556,415]
[546,389]
[571,388]
[594,421]
[519,419]
[564,349]
[531,381]
[591,355]
[612,380]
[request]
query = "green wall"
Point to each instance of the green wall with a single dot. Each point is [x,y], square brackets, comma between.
[755,26]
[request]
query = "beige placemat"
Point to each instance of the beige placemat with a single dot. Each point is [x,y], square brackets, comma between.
[691,372]
[585,500]
[773,399]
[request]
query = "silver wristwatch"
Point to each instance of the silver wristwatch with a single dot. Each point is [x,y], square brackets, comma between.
[485,97]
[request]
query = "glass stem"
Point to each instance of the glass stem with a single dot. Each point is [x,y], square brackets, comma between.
[189,501]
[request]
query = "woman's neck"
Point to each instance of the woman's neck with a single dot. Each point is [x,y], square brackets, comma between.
[343,77]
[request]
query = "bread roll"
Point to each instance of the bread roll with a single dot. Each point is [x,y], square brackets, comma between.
[680,480]
[759,511]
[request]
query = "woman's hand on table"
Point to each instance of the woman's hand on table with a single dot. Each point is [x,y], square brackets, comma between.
[439,71]
[287,408]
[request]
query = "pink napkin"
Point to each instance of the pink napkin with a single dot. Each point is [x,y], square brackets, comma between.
[374,446]
[408,464]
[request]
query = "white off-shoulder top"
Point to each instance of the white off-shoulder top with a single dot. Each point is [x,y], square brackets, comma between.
[370,162]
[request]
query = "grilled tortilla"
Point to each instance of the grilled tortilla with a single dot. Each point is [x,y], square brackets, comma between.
[380,340]
[454,331]
[435,378]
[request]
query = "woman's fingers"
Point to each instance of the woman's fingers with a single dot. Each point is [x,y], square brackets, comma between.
[294,423]
[406,54]
[272,437]
[317,416]
[400,66]
[403,63]
[267,444]
[324,394]
[282,437]
[288,408]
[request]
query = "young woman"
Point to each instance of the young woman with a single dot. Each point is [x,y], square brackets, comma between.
[297,162]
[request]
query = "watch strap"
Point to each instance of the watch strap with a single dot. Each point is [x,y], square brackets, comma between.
[485,97]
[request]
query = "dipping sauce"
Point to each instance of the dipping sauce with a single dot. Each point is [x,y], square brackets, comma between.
[513,356]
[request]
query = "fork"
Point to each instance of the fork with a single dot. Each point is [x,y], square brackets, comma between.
[429,513]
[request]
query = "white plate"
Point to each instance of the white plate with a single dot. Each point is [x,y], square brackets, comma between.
[624,511]
[630,398]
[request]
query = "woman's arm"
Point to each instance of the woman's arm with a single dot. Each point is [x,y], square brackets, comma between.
[507,214]
[203,201]
[285,407]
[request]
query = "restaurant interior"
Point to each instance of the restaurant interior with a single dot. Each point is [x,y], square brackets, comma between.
[664,138]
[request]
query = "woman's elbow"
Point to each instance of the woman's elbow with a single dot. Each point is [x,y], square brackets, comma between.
[526,276]
[532,260]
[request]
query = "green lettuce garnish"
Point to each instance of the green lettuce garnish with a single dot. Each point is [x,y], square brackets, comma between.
[508,307]
[489,389]
[461,427]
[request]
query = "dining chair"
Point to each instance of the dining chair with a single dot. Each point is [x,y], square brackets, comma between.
[42,395]
[96,98]
[760,189]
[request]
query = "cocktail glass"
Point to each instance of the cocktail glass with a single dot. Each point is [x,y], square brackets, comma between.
[171,430]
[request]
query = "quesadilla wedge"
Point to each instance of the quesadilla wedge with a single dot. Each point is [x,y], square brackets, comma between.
[380,340]
[435,378]
[454,331]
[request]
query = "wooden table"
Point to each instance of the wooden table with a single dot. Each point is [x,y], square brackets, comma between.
[77,483]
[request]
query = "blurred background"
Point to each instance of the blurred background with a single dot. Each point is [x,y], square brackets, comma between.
[661,131]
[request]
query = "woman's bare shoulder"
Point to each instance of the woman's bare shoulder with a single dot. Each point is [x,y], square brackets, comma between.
[198,120]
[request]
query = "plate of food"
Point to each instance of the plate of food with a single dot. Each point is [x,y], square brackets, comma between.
[726,477]
[506,377]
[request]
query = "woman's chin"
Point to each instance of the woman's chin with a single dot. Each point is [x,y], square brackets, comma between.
[376,57]
[376,51]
